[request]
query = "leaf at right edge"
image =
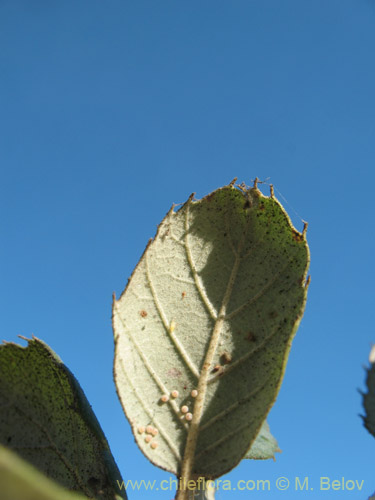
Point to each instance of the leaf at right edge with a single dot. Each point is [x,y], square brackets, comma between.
[21,481]
[369,397]
[265,445]
[227,271]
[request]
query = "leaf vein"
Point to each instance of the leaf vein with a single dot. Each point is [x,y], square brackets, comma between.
[181,350]
[257,295]
[210,308]
[150,415]
[241,360]
[230,435]
[232,407]
[151,371]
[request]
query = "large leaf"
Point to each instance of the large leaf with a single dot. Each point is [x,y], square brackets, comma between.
[20,481]
[46,419]
[212,307]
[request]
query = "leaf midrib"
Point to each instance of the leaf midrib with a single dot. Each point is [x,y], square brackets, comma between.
[192,437]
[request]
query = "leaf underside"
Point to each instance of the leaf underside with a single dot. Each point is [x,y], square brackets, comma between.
[265,445]
[213,305]
[369,398]
[46,419]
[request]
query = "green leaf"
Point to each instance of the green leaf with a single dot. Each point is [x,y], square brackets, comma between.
[212,306]
[265,445]
[20,481]
[46,418]
[369,398]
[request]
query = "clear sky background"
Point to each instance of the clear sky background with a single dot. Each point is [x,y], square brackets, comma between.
[112,111]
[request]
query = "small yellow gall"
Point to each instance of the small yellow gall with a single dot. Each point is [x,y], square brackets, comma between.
[154,432]
[154,445]
[148,438]
[164,398]
[141,429]
[149,429]
[189,416]
[194,393]
[174,394]
[184,409]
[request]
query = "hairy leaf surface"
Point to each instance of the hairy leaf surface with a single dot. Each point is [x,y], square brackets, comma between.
[212,307]
[46,418]
[265,445]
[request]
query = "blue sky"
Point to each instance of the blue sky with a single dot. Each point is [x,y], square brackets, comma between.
[112,111]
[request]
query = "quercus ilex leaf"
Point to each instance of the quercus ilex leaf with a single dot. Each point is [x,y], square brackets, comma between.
[46,419]
[204,327]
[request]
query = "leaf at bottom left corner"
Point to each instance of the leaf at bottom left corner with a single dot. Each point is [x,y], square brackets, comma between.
[19,480]
[46,419]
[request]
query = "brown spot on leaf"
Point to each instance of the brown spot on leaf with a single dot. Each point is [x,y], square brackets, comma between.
[216,368]
[143,313]
[226,358]
[250,337]
[165,234]
[297,236]
[183,295]
[174,373]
